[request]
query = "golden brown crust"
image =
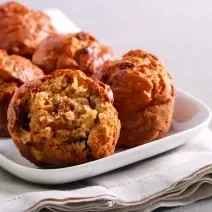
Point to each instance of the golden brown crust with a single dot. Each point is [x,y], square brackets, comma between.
[143,96]
[149,124]
[2,53]
[14,71]
[75,51]
[47,120]
[18,69]
[22,29]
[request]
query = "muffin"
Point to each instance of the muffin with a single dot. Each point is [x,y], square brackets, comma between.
[74,51]
[143,96]
[63,119]
[14,71]
[2,53]
[22,29]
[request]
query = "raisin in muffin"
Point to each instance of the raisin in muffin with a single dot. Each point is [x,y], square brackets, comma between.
[143,96]
[63,119]
[22,29]
[14,71]
[74,51]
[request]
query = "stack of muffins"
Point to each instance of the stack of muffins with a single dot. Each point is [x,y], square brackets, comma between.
[65,99]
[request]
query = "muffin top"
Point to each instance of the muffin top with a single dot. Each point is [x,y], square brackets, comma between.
[14,68]
[22,29]
[75,51]
[139,79]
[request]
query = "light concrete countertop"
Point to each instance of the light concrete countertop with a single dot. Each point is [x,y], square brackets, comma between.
[178,31]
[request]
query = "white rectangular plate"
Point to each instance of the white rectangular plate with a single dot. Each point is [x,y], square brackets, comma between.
[190,117]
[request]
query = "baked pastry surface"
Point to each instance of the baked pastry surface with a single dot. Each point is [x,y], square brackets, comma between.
[63,119]
[14,71]
[74,51]
[143,96]
[22,29]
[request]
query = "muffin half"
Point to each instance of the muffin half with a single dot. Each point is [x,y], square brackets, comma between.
[63,119]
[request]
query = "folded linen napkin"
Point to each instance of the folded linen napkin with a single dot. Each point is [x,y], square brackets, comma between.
[178,177]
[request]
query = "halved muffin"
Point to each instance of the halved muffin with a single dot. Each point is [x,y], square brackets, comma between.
[63,119]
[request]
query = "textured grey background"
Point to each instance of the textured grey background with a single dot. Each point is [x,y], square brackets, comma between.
[179,31]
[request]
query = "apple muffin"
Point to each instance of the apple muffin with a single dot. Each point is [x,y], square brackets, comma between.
[73,51]
[14,71]
[63,119]
[143,96]
[22,29]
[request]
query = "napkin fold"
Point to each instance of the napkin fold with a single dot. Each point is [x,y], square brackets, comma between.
[178,177]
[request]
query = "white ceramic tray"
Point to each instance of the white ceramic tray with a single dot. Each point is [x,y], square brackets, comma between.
[190,117]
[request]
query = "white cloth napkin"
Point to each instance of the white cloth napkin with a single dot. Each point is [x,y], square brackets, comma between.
[178,177]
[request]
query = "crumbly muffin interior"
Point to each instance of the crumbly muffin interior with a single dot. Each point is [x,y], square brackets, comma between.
[63,112]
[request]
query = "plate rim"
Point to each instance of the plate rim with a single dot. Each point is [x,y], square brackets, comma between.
[204,123]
